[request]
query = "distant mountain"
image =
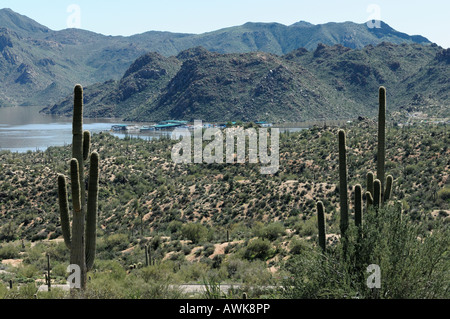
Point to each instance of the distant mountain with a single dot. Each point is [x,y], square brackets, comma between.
[280,39]
[429,86]
[141,83]
[39,66]
[330,82]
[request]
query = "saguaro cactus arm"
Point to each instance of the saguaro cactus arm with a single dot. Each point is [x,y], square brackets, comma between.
[369,200]
[86,144]
[377,193]
[91,218]
[387,192]
[64,209]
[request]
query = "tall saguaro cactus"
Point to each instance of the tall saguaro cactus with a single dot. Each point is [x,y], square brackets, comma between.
[82,238]
[381,153]
[377,192]
[321,224]
[343,196]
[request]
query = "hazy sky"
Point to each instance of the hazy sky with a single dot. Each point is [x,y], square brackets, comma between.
[429,18]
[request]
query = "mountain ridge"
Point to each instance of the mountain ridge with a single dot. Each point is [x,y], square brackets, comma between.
[41,65]
[330,82]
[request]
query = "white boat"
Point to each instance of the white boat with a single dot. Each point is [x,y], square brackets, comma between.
[132,128]
[147,128]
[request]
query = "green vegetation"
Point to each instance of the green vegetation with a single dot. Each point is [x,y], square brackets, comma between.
[162,224]
[386,240]
[153,225]
[185,219]
[410,268]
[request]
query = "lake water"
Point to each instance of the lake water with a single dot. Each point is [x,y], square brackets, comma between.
[23,129]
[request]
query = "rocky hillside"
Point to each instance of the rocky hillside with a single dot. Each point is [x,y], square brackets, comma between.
[330,82]
[139,179]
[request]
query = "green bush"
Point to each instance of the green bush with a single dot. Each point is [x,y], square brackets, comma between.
[444,194]
[27,271]
[9,251]
[414,264]
[195,232]
[308,227]
[297,246]
[272,231]
[259,248]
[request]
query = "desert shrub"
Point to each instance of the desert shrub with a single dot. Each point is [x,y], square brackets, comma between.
[259,248]
[413,263]
[307,227]
[138,288]
[116,242]
[444,194]
[60,270]
[9,251]
[208,249]
[272,231]
[112,267]
[297,246]
[186,249]
[54,293]
[233,267]
[191,272]
[194,231]
[104,286]
[157,273]
[174,226]
[3,291]
[27,272]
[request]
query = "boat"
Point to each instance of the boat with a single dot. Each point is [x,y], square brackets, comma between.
[169,124]
[132,128]
[125,127]
[145,128]
[264,124]
[118,127]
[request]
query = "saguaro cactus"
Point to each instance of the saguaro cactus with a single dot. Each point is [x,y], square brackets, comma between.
[81,240]
[321,224]
[381,137]
[47,275]
[358,205]
[343,196]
